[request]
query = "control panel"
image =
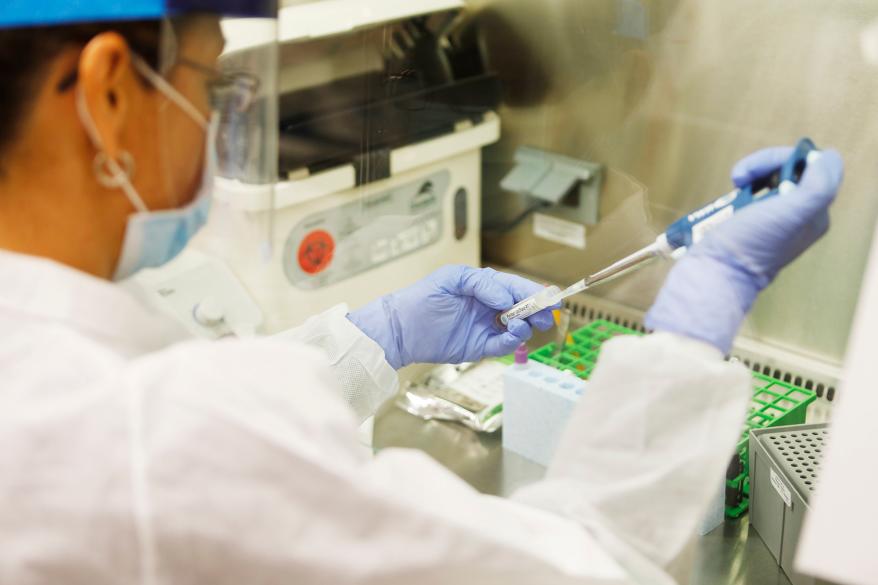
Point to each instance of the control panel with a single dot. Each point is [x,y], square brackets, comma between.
[335,244]
[202,294]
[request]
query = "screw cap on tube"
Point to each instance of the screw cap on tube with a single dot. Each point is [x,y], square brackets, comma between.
[521,355]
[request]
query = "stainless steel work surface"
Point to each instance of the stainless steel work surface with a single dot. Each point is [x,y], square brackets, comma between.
[732,554]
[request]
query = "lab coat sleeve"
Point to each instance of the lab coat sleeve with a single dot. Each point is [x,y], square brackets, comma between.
[253,474]
[647,447]
[365,378]
[247,469]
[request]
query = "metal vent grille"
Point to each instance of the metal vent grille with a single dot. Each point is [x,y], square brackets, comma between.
[799,453]
[585,313]
[585,309]
[821,389]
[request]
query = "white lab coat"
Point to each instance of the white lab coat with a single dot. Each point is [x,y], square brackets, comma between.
[126,460]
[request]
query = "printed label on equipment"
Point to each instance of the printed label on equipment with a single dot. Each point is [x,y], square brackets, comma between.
[781,488]
[315,251]
[559,231]
[699,230]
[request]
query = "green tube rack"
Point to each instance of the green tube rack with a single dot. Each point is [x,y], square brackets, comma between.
[774,403]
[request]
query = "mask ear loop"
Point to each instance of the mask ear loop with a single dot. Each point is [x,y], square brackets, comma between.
[170,91]
[109,173]
[106,169]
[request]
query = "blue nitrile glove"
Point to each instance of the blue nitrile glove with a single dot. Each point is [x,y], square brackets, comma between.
[449,317]
[711,289]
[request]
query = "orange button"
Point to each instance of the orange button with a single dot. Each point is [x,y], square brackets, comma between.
[315,251]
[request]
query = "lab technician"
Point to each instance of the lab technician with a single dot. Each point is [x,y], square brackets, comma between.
[133,455]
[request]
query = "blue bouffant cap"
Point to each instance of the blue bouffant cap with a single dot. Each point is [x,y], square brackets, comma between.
[22,13]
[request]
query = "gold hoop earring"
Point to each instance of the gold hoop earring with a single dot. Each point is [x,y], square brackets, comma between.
[108,171]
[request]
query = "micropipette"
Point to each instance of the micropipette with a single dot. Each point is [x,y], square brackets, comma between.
[681,234]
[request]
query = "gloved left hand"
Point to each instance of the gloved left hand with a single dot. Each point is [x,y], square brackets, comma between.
[711,289]
[450,317]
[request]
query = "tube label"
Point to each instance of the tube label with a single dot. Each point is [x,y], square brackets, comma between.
[522,310]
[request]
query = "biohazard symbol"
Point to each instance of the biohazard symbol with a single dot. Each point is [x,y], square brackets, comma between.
[315,251]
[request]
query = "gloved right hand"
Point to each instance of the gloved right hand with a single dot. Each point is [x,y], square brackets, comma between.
[711,289]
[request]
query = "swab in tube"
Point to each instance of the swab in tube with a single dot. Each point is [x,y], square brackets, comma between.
[531,305]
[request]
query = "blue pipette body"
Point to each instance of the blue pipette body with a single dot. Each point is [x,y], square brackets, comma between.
[690,228]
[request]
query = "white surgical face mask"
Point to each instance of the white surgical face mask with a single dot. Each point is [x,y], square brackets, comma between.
[154,238]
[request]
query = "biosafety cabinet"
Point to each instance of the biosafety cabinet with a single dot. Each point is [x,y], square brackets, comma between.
[381,118]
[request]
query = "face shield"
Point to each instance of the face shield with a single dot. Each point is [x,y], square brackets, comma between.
[209,121]
[215,79]
[202,106]
[229,64]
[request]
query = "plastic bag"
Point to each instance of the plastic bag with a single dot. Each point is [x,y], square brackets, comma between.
[470,393]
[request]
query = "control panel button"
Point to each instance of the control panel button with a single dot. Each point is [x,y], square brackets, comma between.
[430,231]
[409,239]
[380,252]
[208,313]
[315,251]
[460,214]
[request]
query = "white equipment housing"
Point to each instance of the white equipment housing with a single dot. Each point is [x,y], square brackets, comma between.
[343,232]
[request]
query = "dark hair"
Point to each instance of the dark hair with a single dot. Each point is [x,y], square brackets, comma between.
[25,54]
